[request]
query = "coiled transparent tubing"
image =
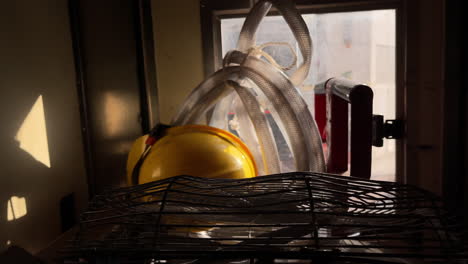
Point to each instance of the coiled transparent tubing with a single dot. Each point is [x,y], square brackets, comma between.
[248,85]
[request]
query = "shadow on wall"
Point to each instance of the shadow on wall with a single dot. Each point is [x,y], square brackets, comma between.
[42,155]
[25,168]
[33,180]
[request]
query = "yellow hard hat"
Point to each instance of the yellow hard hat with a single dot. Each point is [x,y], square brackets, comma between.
[194,150]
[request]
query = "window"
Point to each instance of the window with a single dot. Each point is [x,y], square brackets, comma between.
[358,45]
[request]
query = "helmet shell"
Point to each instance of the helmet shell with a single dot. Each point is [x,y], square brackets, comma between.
[195,150]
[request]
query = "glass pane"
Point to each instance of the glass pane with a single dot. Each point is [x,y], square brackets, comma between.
[356,45]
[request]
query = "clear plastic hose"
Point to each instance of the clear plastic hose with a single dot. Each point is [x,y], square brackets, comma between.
[204,96]
[243,73]
[296,23]
[265,137]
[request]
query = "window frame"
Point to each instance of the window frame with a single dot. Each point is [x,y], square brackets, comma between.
[213,11]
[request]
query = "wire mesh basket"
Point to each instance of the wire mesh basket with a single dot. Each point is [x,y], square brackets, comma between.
[284,218]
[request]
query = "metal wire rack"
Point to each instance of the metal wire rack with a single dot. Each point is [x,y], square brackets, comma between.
[284,218]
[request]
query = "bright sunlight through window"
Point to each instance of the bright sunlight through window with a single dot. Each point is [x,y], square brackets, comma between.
[32,135]
[359,46]
[16,208]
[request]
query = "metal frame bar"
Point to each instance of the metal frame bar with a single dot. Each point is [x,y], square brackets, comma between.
[77,46]
[366,219]
[146,64]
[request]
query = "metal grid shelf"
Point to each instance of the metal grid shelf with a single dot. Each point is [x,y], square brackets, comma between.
[284,218]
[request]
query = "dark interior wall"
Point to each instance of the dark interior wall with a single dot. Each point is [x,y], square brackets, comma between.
[456,110]
[37,81]
[424,85]
[106,40]
[464,106]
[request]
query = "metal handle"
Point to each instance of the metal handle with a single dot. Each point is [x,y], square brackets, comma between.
[340,94]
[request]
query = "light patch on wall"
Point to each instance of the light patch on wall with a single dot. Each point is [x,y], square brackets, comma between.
[114,114]
[32,135]
[16,208]
[8,242]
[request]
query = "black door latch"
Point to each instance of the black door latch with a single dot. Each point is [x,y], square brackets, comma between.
[390,129]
